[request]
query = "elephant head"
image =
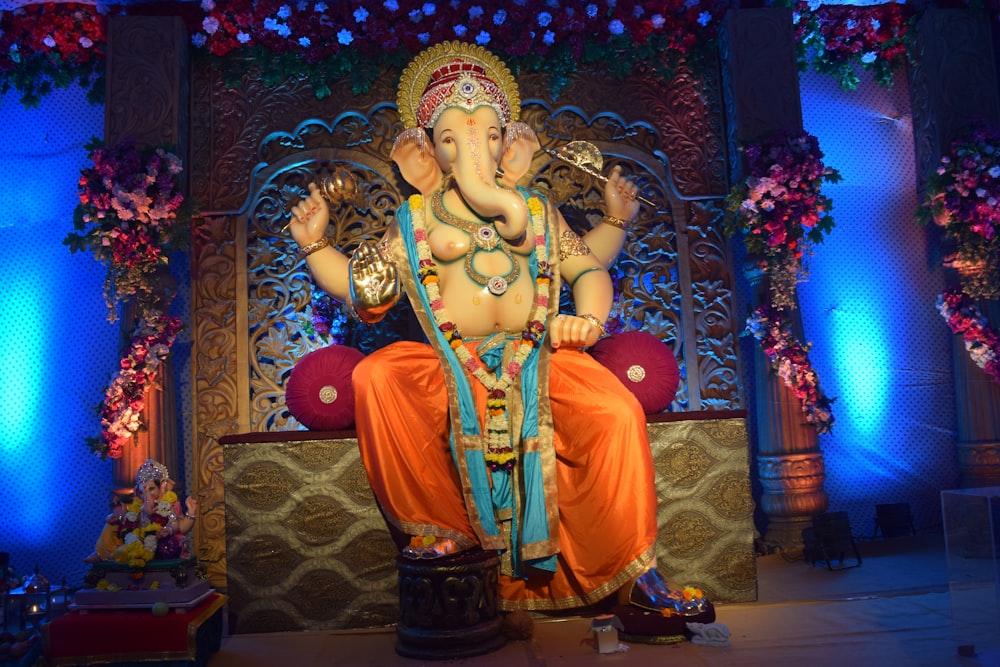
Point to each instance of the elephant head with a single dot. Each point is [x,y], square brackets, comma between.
[466,98]
[419,166]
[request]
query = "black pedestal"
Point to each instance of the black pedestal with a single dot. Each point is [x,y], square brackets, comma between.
[448,607]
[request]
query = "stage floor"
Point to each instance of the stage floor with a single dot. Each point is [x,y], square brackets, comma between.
[895,609]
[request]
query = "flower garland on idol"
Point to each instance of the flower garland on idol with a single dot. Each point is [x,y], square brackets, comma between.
[139,530]
[781,212]
[131,216]
[499,454]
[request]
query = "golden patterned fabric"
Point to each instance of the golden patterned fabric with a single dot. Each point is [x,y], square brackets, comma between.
[307,549]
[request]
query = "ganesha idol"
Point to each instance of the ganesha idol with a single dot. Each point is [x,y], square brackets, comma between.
[499,433]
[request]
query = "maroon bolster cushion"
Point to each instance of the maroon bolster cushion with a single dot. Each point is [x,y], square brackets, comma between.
[319,393]
[644,364]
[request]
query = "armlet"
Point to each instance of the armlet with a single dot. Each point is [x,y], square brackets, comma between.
[570,244]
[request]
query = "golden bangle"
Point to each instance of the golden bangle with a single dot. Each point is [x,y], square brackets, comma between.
[596,322]
[615,222]
[309,249]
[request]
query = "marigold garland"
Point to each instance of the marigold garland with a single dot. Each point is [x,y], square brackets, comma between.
[499,454]
[138,530]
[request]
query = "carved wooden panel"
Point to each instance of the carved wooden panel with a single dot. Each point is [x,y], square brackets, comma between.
[147,81]
[257,148]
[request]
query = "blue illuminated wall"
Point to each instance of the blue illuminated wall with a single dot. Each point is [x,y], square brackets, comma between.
[880,345]
[57,349]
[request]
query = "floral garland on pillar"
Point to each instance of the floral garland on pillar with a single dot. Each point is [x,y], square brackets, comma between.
[781,212]
[963,200]
[131,216]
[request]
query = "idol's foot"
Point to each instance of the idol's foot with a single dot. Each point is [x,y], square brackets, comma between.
[651,591]
[428,546]
[93,558]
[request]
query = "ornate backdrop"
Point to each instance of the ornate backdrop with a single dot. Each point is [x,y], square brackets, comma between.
[253,150]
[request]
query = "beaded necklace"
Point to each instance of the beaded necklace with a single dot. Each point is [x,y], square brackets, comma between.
[486,238]
[499,454]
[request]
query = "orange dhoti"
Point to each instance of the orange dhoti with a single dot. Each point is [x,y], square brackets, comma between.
[603,470]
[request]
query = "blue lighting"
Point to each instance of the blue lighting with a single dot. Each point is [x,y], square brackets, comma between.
[879,345]
[57,349]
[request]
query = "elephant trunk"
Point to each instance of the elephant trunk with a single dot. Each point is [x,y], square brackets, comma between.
[474,172]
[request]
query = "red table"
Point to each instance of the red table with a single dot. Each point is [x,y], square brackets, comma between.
[109,637]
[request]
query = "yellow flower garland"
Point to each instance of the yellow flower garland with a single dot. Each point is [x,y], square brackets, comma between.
[499,454]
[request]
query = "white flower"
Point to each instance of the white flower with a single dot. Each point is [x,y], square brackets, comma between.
[416,15]
[429,8]
[207,5]
[868,57]
[345,37]
[270,24]
[658,21]
[320,7]
[591,10]
[49,42]
[199,39]
[131,538]
[86,42]
[637,11]
[483,38]
[242,37]
[360,14]
[544,19]
[284,12]
[616,27]
[283,30]
[475,12]
[549,37]
[424,37]
[305,42]
[704,18]
[163,508]
[499,17]
[391,5]
[876,24]
[150,542]
[460,30]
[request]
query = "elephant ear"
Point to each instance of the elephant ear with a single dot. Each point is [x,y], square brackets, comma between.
[520,145]
[413,154]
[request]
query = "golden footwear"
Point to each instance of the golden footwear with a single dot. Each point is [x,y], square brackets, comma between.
[650,591]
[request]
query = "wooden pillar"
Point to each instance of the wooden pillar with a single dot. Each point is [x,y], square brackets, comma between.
[147,99]
[761,82]
[952,86]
